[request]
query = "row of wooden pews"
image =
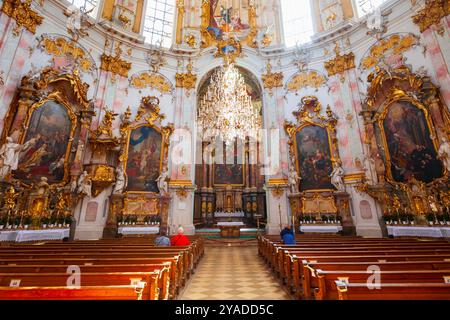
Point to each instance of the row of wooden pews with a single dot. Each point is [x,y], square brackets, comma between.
[119,269]
[335,267]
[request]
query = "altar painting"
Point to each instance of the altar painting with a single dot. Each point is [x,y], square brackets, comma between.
[314,158]
[411,150]
[228,174]
[48,138]
[144,159]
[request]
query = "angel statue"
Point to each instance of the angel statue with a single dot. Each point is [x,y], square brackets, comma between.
[294,180]
[444,153]
[85,184]
[121,180]
[337,177]
[77,22]
[9,156]
[162,182]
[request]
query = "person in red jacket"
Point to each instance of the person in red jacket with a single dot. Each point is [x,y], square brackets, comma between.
[180,239]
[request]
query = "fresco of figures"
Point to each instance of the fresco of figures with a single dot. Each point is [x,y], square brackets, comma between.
[314,158]
[49,130]
[228,16]
[411,150]
[144,159]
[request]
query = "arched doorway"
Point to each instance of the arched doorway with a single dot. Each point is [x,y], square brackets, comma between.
[228,177]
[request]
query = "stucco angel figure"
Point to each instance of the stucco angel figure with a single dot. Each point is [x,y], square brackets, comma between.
[337,177]
[85,184]
[444,153]
[9,156]
[162,182]
[77,22]
[294,180]
[121,180]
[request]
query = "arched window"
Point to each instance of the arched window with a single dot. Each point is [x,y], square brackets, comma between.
[159,20]
[367,6]
[86,6]
[297,22]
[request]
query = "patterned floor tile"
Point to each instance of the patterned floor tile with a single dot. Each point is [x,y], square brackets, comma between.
[233,273]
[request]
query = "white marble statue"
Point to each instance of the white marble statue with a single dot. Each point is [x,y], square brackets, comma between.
[77,22]
[85,184]
[337,177]
[9,156]
[294,180]
[162,182]
[444,153]
[121,180]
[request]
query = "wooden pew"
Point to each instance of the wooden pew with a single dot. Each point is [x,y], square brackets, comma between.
[326,279]
[154,289]
[64,293]
[126,264]
[394,291]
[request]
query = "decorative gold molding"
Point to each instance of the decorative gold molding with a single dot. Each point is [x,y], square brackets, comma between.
[340,63]
[355,177]
[151,80]
[272,79]
[180,17]
[115,65]
[275,182]
[22,13]
[432,14]
[396,43]
[186,80]
[304,79]
[59,47]
[180,183]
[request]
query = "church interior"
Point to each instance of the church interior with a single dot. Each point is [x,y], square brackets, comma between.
[225,149]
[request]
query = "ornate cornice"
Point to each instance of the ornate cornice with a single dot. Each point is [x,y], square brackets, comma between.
[432,14]
[115,65]
[22,13]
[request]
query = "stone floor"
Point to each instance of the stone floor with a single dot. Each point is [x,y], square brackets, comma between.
[233,273]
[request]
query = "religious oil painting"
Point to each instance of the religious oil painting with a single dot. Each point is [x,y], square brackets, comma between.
[144,159]
[411,151]
[314,158]
[228,17]
[225,174]
[48,138]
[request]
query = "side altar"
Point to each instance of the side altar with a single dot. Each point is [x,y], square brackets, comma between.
[140,200]
[318,194]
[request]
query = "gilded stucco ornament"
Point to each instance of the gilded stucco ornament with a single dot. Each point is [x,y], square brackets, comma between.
[271,79]
[22,13]
[341,63]
[396,44]
[304,79]
[60,46]
[115,64]
[186,80]
[432,14]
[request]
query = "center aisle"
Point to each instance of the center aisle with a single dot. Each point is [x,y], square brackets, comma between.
[233,273]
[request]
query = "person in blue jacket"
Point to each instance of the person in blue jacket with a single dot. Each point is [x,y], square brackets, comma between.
[287,235]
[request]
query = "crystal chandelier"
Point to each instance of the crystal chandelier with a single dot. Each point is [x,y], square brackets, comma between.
[226,110]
